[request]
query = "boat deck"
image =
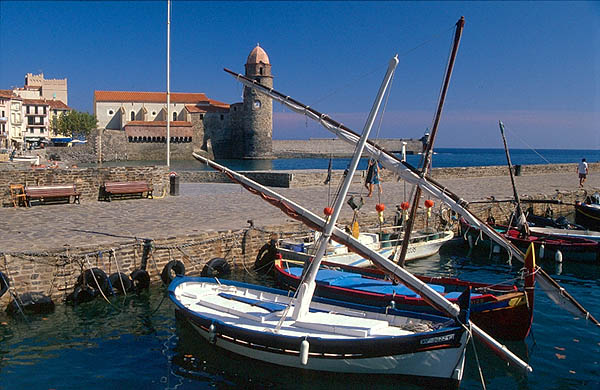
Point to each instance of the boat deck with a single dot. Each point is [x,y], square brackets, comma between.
[262,311]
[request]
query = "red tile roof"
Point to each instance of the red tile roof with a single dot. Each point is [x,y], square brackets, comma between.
[153,97]
[58,105]
[206,108]
[37,102]
[7,93]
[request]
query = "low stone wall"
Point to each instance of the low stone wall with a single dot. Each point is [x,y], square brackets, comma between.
[316,177]
[285,179]
[88,180]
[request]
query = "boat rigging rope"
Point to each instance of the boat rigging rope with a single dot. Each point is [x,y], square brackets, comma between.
[472,339]
[114,256]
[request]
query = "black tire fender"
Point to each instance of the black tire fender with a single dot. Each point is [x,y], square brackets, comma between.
[216,267]
[4,284]
[265,258]
[172,268]
[120,282]
[140,280]
[31,303]
[95,278]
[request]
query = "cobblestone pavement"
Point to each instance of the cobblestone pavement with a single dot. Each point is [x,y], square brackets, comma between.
[217,207]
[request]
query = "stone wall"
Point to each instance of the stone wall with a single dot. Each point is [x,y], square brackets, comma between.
[316,177]
[116,147]
[286,179]
[88,180]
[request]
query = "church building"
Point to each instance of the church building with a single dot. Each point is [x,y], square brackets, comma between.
[207,126]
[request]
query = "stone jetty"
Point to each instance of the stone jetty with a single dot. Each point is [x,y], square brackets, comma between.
[46,247]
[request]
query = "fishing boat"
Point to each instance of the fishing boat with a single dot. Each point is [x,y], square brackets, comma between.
[423,243]
[254,321]
[548,246]
[502,310]
[588,213]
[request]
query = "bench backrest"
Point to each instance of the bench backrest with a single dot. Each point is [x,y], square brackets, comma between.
[52,190]
[124,186]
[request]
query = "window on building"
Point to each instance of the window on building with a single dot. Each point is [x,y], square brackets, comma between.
[55,112]
[30,120]
[31,130]
[132,115]
[174,116]
[110,112]
[201,116]
[153,113]
[3,115]
[222,116]
[28,107]
[44,107]
[260,70]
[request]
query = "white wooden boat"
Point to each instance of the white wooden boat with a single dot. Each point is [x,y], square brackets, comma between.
[589,234]
[254,322]
[422,244]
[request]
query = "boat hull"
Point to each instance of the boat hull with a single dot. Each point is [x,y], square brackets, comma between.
[571,248]
[588,215]
[507,315]
[436,355]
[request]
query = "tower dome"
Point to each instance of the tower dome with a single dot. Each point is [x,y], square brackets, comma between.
[258,55]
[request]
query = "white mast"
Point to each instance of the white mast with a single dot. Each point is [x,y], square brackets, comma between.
[168,83]
[307,287]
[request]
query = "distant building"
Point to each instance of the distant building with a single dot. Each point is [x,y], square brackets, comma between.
[49,89]
[12,124]
[240,130]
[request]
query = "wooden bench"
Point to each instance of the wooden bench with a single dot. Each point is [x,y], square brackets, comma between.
[52,193]
[125,188]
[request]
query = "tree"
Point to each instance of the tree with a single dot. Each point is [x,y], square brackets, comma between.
[74,123]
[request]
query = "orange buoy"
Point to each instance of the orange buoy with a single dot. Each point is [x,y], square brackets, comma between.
[429,203]
[404,205]
[327,211]
[379,207]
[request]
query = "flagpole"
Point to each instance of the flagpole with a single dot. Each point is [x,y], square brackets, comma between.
[168,83]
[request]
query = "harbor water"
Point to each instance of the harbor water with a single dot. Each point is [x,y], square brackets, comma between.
[444,157]
[135,341]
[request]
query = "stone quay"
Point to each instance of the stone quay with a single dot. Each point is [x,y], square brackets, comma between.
[46,247]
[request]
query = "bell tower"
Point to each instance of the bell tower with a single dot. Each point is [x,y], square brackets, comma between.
[258,109]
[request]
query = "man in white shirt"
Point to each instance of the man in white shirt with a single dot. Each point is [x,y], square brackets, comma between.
[582,169]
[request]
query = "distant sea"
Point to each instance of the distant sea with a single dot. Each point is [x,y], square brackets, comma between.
[443,157]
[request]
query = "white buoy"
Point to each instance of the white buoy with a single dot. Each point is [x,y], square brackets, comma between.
[470,240]
[304,352]
[496,249]
[541,251]
[558,257]
[212,334]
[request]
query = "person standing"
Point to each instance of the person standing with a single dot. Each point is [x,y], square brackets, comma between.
[582,169]
[375,177]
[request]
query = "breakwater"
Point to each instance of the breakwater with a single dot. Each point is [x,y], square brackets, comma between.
[336,148]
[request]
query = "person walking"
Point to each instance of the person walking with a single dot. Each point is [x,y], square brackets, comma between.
[375,179]
[582,169]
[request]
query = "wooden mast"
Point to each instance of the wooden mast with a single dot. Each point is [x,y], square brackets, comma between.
[429,149]
[519,210]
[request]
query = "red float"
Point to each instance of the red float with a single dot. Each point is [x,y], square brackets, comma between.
[429,203]
[404,205]
[379,207]
[327,211]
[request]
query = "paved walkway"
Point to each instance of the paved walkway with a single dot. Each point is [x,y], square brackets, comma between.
[210,207]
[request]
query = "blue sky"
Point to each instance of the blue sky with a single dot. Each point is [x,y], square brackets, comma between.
[533,65]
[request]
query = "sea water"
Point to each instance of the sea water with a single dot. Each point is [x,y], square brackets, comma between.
[443,157]
[136,342]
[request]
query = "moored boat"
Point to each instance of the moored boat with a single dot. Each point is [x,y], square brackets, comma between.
[253,321]
[422,244]
[548,246]
[588,213]
[502,310]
